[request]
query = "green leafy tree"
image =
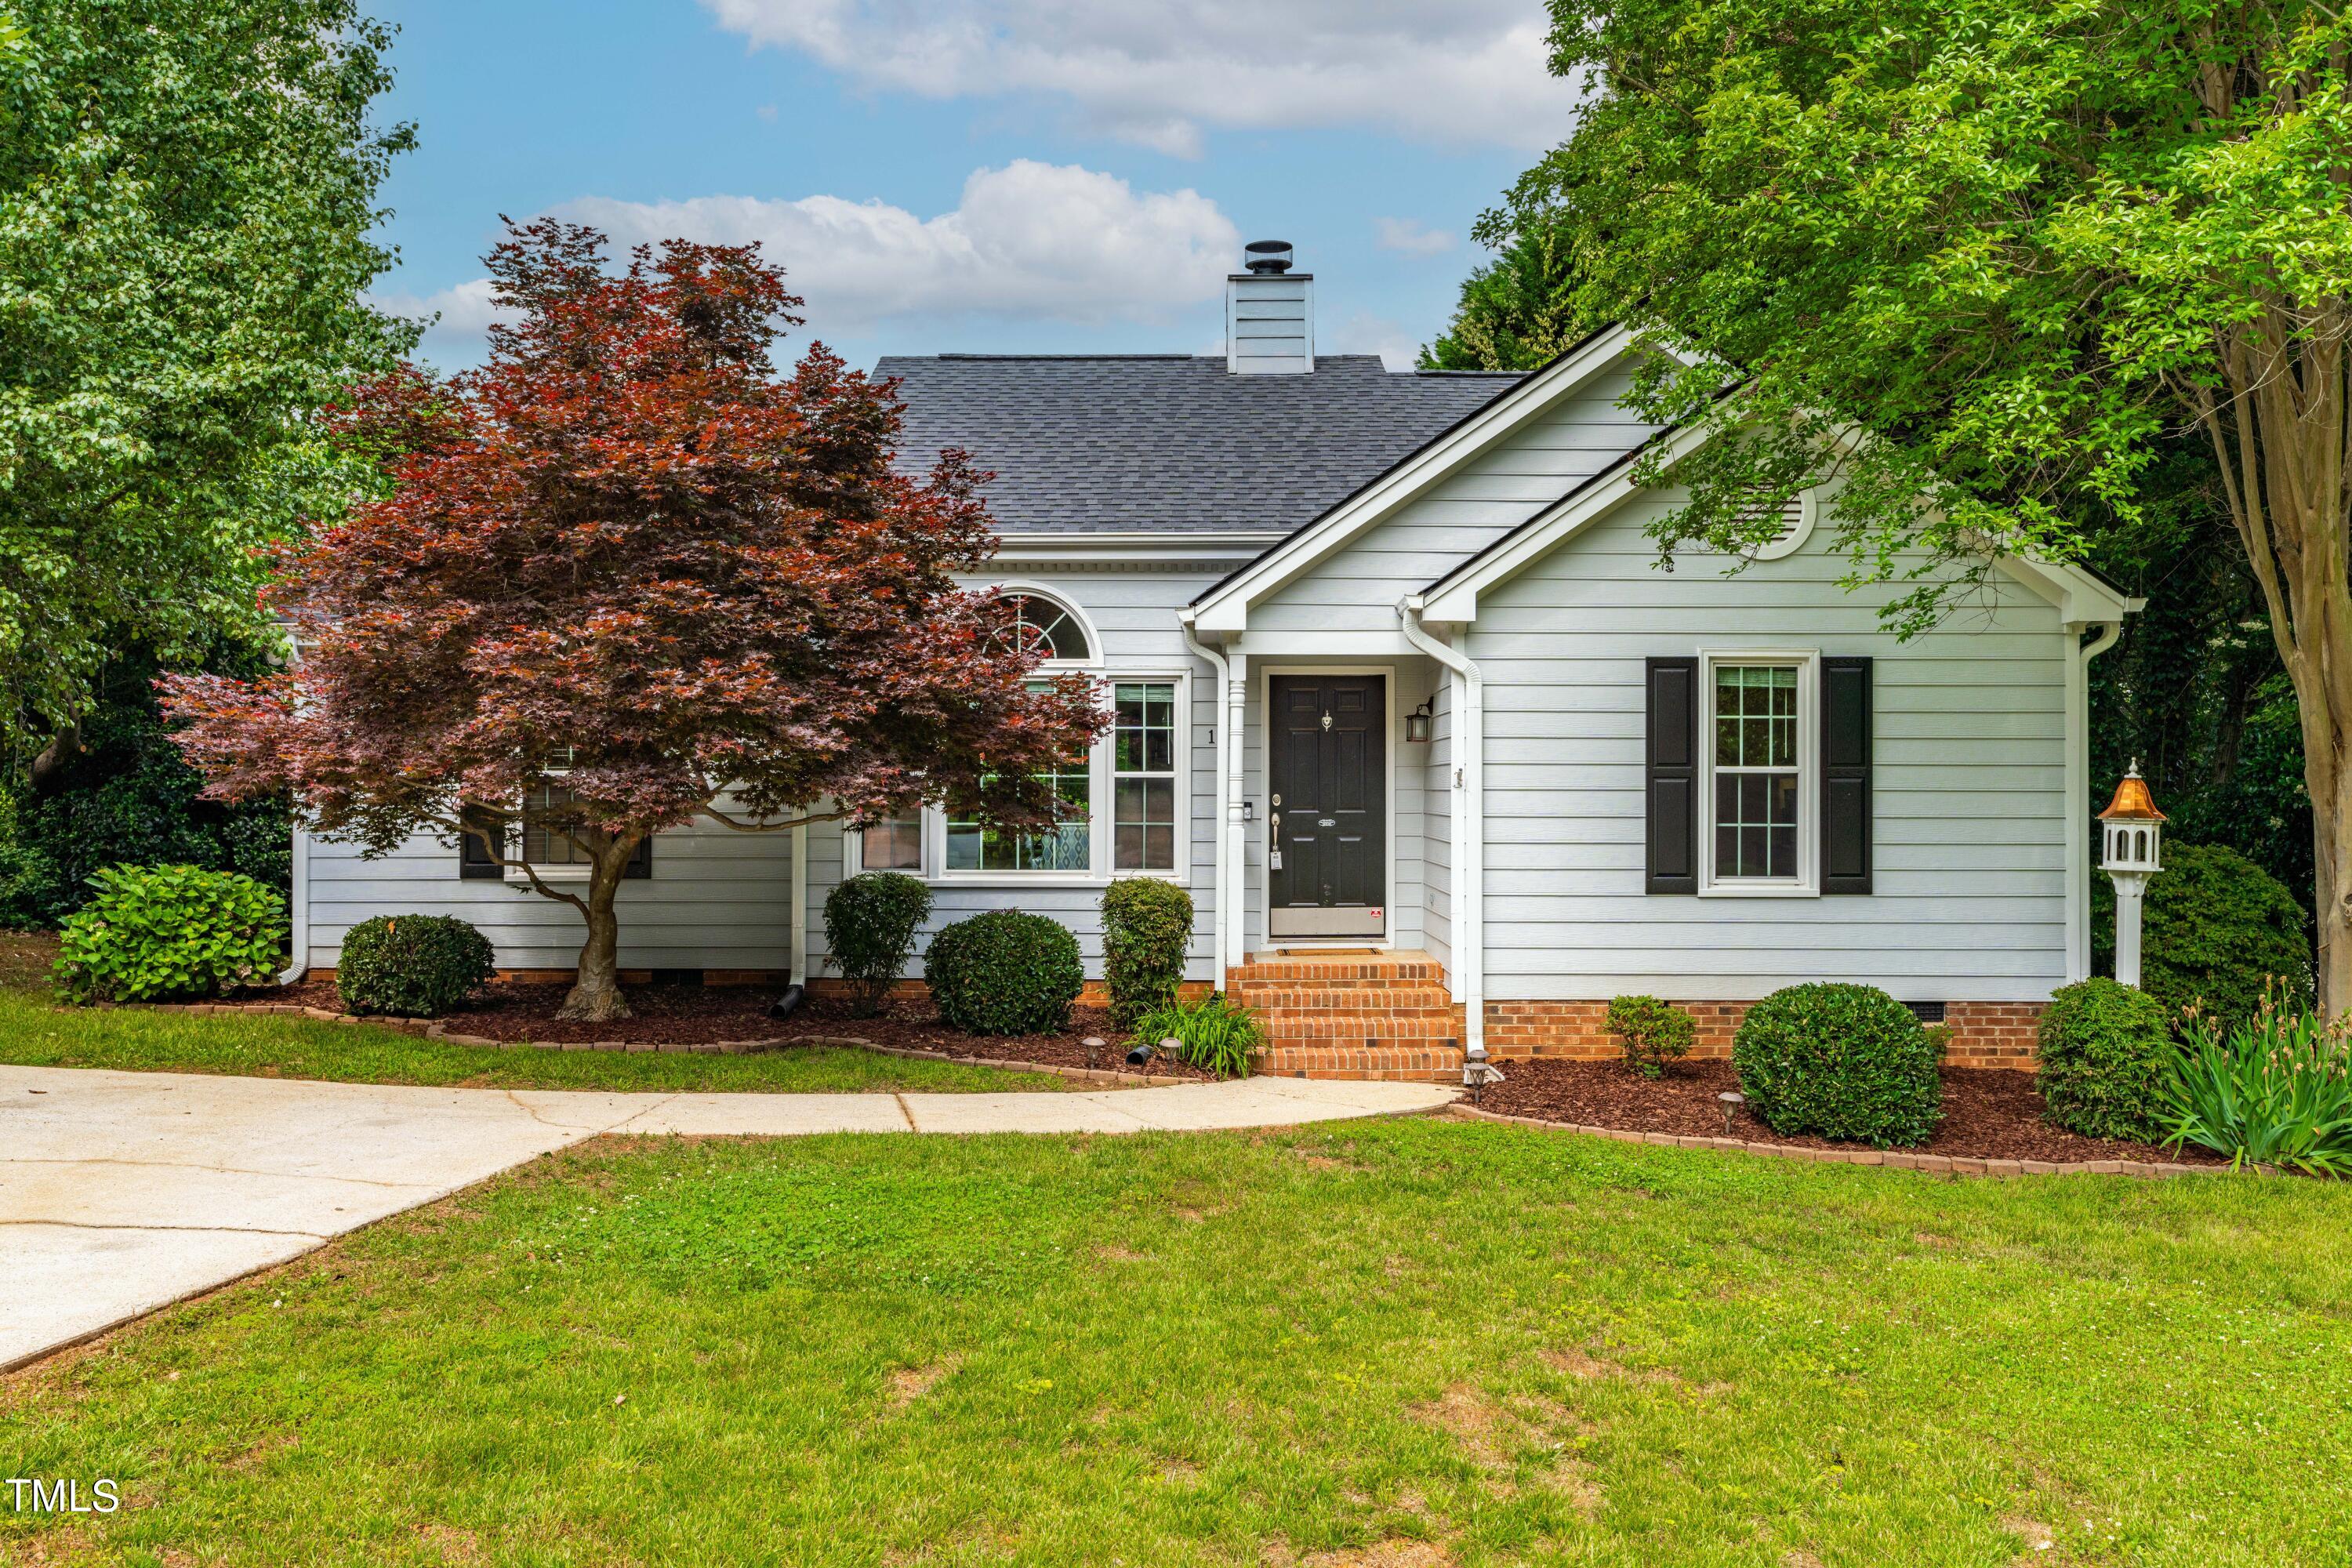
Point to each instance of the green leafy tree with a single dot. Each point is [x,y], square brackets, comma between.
[1519,310]
[2194,691]
[186,189]
[123,794]
[1995,254]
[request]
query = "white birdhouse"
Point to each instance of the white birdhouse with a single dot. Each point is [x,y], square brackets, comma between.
[2132,830]
[2133,826]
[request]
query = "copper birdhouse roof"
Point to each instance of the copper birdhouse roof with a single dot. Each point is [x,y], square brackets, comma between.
[2132,802]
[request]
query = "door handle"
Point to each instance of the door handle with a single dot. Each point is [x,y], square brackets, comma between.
[1326,822]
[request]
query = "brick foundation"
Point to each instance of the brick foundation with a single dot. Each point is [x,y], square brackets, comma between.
[1982,1034]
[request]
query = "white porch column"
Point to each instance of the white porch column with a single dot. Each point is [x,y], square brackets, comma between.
[1236,834]
[1469,964]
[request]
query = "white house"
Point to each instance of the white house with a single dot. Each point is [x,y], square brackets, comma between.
[1447,761]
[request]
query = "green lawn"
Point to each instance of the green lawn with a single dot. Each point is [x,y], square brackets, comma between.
[34,1033]
[1412,1342]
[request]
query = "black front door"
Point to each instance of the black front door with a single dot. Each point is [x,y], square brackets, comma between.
[1327,806]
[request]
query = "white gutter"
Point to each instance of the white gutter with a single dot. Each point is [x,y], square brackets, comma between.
[1228,809]
[2078,794]
[1469,836]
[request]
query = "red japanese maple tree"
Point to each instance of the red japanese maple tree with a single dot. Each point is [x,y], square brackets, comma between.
[626,576]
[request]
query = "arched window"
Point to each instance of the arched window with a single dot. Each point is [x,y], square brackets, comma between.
[1037,623]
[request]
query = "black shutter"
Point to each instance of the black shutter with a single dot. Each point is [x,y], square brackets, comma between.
[474,858]
[1671,861]
[1846,775]
[641,860]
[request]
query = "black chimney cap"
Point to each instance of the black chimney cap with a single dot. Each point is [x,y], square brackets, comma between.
[1268,255]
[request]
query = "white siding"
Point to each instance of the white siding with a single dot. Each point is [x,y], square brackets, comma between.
[1437,830]
[1355,590]
[1969,798]
[717,899]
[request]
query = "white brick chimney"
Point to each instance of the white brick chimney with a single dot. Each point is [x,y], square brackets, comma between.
[1269,314]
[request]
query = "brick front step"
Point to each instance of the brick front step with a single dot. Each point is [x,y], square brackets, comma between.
[1268,997]
[1343,968]
[1404,1063]
[1354,1015]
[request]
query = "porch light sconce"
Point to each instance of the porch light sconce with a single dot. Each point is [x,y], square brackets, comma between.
[1416,725]
[2131,835]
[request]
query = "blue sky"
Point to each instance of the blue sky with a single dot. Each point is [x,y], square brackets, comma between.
[985,175]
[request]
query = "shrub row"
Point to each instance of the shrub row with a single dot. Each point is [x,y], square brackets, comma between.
[1007,972]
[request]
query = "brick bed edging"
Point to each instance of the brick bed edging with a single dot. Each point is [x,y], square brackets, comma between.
[1897,1159]
[434,1029]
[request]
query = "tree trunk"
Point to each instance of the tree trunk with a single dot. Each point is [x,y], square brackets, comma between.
[2329,783]
[595,996]
[2280,438]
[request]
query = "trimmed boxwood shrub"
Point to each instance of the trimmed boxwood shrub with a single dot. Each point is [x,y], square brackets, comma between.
[2213,929]
[1839,1061]
[1655,1033]
[1006,972]
[1146,924]
[870,922]
[2104,1049]
[160,932]
[413,966]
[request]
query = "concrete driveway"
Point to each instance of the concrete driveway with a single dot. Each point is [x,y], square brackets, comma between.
[122,1192]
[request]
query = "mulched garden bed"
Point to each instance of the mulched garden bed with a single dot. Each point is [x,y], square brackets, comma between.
[1987,1114]
[695,1014]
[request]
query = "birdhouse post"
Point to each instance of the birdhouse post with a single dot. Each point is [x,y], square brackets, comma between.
[2130,831]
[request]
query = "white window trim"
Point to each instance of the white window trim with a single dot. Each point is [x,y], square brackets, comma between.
[1806,884]
[1181,874]
[1094,659]
[1101,785]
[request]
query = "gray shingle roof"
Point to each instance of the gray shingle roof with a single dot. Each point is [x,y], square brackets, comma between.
[1148,442]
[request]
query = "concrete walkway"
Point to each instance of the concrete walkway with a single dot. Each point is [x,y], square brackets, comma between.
[122,1192]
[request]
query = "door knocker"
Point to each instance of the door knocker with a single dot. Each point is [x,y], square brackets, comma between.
[1327,721]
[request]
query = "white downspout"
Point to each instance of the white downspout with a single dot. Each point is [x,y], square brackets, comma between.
[1224,834]
[298,911]
[799,973]
[2078,794]
[1469,837]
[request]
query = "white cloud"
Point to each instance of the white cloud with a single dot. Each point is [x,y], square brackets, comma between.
[1411,235]
[1030,240]
[464,310]
[1158,71]
[1365,333]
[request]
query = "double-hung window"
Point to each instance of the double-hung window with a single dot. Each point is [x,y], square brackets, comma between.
[1145,827]
[1758,744]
